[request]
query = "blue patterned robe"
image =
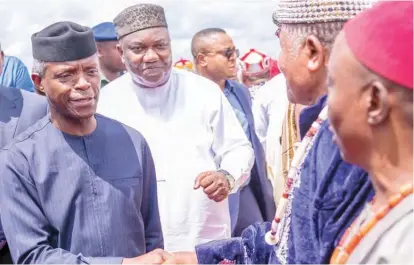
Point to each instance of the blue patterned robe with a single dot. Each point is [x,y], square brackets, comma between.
[331,195]
[79,199]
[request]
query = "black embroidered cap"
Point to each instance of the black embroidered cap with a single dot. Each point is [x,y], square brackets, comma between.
[63,42]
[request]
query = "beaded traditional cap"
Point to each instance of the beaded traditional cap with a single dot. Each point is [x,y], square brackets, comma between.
[139,17]
[318,11]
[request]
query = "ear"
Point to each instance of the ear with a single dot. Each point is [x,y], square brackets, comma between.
[121,52]
[202,59]
[99,49]
[314,51]
[378,103]
[37,81]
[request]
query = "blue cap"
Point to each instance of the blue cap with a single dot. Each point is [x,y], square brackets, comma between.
[105,32]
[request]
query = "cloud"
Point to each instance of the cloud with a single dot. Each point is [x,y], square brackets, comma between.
[249,22]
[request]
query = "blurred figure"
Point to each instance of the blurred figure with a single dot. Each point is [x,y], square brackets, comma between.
[269,109]
[110,63]
[13,73]
[215,58]
[184,64]
[255,70]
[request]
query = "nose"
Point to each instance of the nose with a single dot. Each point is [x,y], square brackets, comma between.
[83,83]
[150,56]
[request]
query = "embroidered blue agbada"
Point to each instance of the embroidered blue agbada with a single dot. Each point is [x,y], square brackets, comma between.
[73,200]
[331,195]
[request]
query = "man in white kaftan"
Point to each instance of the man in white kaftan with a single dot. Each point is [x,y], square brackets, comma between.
[190,128]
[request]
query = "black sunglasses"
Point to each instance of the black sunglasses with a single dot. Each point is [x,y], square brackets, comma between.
[228,53]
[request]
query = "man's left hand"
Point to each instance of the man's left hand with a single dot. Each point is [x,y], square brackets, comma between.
[215,185]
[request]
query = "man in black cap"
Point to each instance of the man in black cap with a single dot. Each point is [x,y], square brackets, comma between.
[110,63]
[79,187]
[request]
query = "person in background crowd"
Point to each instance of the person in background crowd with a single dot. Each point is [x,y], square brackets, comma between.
[215,58]
[78,188]
[200,151]
[370,104]
[323,193]
[184,64]
[110,63]
[269,108]
[255,70]
[14,74]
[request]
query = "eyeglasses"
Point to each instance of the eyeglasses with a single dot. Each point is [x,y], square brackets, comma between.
[228,53]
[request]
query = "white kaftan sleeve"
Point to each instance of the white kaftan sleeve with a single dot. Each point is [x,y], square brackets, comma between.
[233,151]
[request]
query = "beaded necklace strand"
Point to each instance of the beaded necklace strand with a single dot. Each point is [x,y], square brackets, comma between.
[272,237]
[356,232]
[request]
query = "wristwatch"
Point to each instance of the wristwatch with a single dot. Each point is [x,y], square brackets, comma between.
[229,178]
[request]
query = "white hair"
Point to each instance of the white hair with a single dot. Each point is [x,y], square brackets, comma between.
[325,32]
[39,67]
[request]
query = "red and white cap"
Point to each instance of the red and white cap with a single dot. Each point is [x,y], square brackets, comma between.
[255,63]
[381,38]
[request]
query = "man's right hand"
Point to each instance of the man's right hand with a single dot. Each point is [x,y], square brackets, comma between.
[157,256]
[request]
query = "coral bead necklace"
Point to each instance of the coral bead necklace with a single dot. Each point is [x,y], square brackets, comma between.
[361,226]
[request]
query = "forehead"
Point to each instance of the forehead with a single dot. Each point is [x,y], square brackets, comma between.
[91,61]
[340,55]
[147,35]
[219,41]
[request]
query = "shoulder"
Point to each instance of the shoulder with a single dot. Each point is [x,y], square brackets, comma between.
[14,61]
[114,87]
[239,88]
[29,136]
[117,130]
[273,92]
[194,82]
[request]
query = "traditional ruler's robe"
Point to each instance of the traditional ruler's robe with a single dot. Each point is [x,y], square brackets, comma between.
[79,199]
[328,196]
[391,240]
[191,128]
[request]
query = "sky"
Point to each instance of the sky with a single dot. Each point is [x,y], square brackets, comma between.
[248,22]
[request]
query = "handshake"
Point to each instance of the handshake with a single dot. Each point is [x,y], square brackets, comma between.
[160,256]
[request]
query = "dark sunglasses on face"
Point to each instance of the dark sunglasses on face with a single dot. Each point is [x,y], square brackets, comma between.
[228,53]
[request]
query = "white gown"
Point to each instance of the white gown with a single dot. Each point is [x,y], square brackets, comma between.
[190,128]
[269,110]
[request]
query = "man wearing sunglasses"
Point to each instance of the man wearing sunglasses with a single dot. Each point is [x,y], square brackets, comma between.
[215,58]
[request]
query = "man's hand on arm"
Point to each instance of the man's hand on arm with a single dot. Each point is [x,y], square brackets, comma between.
[215,184]
[157,256]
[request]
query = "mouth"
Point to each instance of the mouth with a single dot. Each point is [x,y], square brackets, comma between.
[83,101]
[152,70]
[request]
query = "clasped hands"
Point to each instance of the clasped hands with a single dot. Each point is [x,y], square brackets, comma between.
[160,256]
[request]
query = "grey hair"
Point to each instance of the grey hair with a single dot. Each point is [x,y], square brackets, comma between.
[325,32]
[39,67]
